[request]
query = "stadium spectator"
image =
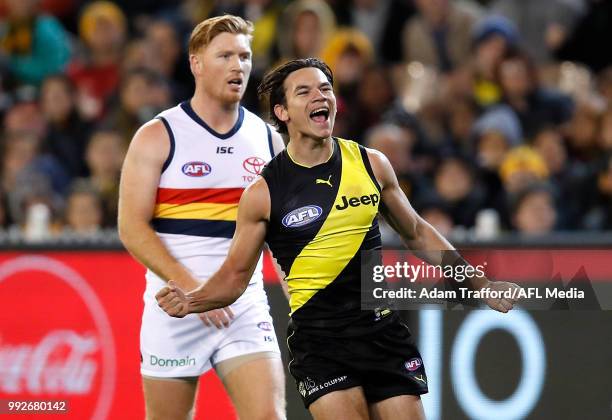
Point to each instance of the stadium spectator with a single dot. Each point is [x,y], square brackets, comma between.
[84,212]
[305,28]
[375,95]
[440,34]
[103,31]
[522,167]
[35,44]
[599,214]
[477,97]
[165,42]
[567,176]
[104,156]
[67,132]
[534,211]
[604,85]
[496,132]
[604,137]
[142,94]
[397,145]
[492,38]
[22,155]
[139,53]
[461,115]
[25,116]
[583,130]
[382,23]
[34,207]
[349,53]
[534,105]
[544,25]
[455,185]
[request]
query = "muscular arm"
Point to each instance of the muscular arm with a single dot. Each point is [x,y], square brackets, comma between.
[418,235]
[421,237]
[137,193]
[232,278]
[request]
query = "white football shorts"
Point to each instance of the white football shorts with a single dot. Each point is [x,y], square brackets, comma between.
[186,347]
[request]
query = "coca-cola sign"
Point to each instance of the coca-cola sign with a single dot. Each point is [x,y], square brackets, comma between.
[36,369]
[57,342]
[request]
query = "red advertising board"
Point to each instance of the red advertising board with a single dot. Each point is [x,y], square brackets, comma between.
[69,330]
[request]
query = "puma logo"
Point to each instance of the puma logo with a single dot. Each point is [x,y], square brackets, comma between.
[323,181]
[420,378]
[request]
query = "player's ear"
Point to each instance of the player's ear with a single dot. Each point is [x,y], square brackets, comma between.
[281,112]
[195,64]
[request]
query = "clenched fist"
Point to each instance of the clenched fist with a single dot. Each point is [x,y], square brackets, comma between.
[502,295]
[173,300]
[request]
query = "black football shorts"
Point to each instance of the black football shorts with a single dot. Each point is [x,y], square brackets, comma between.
[385,363]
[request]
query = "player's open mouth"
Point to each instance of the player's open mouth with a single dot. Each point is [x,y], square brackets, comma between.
[235,82]
[319,115]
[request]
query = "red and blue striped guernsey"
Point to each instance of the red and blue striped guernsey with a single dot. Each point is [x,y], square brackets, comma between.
[201,183]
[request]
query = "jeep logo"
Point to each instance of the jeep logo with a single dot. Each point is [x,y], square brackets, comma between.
[357,201]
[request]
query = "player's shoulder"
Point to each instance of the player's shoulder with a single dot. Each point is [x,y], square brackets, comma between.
[172,112]
[152,139]
[158,128]
[350,144]
[256,199]
[250,114]
[353,149]
[373,158]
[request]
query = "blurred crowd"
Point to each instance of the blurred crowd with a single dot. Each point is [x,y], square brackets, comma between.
[496,115]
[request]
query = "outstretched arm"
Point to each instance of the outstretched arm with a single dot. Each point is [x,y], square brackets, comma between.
[418,235]
[232,278]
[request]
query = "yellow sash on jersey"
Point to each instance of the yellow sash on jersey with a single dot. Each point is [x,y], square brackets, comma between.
[339,239]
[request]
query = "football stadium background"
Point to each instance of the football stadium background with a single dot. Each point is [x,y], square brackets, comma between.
[496,116]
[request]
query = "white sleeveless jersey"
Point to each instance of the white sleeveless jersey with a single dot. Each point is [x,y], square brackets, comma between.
[200,186]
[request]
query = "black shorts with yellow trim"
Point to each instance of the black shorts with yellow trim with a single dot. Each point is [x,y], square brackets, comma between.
[385,363]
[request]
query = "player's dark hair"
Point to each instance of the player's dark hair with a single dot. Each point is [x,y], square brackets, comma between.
[272,92]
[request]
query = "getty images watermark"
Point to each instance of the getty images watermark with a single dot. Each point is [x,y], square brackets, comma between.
[549,279]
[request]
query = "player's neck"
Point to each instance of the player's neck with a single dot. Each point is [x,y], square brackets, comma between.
[220,116]
[309,152]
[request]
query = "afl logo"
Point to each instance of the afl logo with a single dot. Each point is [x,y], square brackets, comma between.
[413,364]
[266,326]
[196,169]
[302,216]
[253,165]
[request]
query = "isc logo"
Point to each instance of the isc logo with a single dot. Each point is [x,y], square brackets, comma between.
[302,216]
[196,169]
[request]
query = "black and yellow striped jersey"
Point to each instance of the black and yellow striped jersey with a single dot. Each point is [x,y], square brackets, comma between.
[321,218]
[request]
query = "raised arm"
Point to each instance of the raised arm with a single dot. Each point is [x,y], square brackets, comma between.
[418,235]
[232,278]
[137,193]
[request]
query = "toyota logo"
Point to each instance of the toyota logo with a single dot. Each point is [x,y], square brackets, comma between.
[253,165]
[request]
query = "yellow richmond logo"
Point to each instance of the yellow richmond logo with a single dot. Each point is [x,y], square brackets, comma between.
[372,199]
